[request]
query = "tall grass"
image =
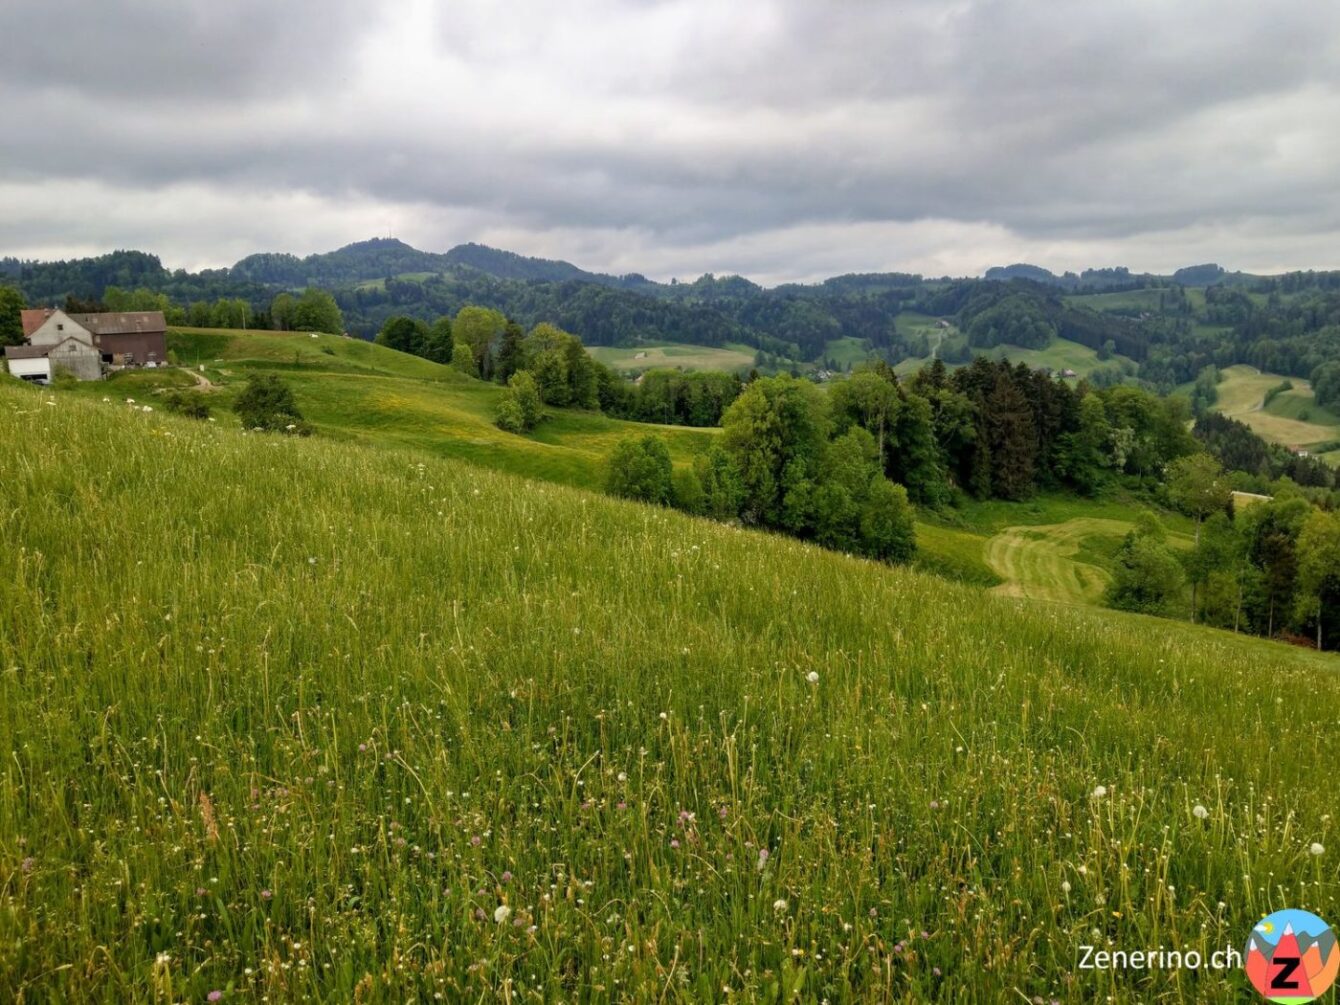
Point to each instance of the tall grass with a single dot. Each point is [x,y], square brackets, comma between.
[299,719]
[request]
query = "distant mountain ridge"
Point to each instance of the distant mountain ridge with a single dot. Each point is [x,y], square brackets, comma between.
[1208,274]
[388,256]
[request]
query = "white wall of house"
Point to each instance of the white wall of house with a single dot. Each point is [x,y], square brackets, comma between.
[58,328]
[30,369]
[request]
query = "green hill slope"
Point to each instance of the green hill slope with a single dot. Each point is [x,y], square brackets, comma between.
[360,391]
[302,719]
[1291,418]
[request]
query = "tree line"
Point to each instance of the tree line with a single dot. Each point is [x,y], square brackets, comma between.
[1269,565]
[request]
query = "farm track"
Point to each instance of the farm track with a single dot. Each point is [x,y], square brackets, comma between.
[1038,563]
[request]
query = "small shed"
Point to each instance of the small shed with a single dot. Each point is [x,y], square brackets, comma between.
[29,362]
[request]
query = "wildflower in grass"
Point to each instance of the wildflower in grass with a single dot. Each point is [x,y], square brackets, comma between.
[1099,791]
[812,677]
[674,842]
[935,971]
[362,748]
[475,841]
[623,776]
[266,894]
[621,805]
[214,996]
[935,804]
[507,876]
[27,865]
[723,813]
[1065,886]
[780,905]
[1316,848]
[1199,812]
[502,913]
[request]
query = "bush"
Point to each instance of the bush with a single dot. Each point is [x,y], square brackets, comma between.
[463,359]
[520,410]
[641,469]
[187,403]
[509,418]
[267,403]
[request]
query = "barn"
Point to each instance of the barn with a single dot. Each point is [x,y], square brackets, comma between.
[120,338]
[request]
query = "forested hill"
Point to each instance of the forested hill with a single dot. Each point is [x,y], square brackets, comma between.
[380,258]
[1167,327]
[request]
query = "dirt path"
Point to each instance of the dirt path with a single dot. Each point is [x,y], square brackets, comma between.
[1039,562]
[201,381]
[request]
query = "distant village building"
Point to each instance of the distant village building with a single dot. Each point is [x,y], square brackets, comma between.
[82,344]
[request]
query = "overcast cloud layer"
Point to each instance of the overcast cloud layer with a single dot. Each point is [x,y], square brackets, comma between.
[780,139]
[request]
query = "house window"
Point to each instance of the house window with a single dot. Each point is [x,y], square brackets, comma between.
[60,327]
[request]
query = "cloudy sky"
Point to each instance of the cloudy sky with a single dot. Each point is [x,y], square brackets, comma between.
[781,139]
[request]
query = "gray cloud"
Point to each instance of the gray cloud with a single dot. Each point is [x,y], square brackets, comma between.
[694,134]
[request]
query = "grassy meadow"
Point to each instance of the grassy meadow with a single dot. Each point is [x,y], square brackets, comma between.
[674,355]
[361,392]
[303,720]
[1061,354]
[1292,418]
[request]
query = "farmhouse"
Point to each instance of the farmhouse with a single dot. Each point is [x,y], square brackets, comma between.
[81,344]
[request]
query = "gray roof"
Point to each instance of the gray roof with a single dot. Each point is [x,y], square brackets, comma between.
[27,351]
[122,322]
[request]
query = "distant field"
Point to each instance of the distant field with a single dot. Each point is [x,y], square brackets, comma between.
[1062,354]
[675,355]
[380,284]
[1125,302]
[1292,418]
[912,323]
[847,351]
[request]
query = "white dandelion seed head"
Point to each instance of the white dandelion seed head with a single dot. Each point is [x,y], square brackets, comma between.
[812,677]
[780,905]
[1099,791]
[1200,812]
[1065,886]
[502,913]
[1316,848]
